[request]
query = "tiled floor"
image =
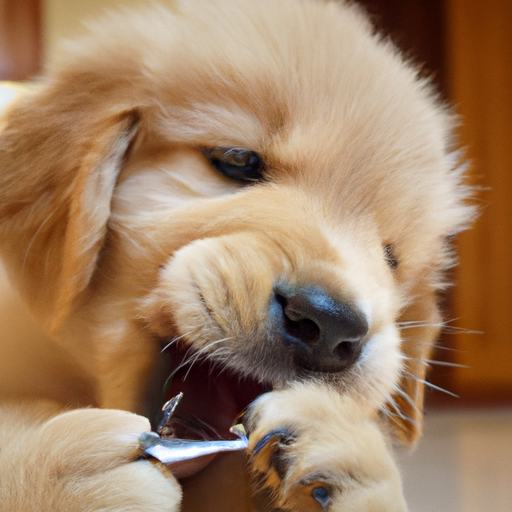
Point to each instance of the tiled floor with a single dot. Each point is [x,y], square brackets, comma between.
[463,463]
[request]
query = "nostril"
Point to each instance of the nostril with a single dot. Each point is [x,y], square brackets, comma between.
[346,350]
[295,322]
[324,334]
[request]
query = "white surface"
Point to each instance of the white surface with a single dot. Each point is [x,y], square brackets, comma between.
[7,94]
[463,463]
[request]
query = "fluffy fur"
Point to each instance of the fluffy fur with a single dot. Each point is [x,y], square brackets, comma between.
[121,237]
[322,439]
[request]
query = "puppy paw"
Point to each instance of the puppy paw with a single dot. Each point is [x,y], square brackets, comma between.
[87,460]
[277,443]
[272,455]
[314,450]
[276,462]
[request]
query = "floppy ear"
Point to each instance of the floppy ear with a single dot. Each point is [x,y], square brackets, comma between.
[406,416]
[60,157]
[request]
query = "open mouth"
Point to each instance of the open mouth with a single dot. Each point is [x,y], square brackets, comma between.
[214,398]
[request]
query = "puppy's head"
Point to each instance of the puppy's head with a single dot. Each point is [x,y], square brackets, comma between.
[314,449]
[264,186]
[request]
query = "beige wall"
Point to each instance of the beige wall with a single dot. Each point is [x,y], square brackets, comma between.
[64,18]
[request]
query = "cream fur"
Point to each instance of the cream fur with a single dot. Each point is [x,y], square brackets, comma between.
[79,460]
[118,234]
[336,444]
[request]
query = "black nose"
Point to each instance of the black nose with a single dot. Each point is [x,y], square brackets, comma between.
[325,335]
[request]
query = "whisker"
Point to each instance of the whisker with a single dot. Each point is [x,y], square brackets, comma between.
[446,363]
[186,355]
[433,345]
[440,323]
[429,384]
[398,414]
[450,349]
[191,365]
[399,391]
[204,349]
[394,405]
[182,365]
[192,359]
[210,345]
[409,322]
[221,355]
[195,357]
[410,420]
[417,325]
[449,329]
[174,340]
[446,328]
[437,388]
[174,372]
[436,362]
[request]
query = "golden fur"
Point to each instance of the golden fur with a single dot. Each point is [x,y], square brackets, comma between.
[119,235]
[77,461]
[324,440]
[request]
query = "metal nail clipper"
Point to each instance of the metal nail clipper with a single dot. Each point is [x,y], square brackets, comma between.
[176,453]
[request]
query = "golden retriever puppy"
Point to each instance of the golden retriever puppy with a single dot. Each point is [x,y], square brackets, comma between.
[325,451]
[220,197]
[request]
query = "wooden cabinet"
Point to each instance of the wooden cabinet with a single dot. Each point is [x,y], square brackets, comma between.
[479,78]
[20,39]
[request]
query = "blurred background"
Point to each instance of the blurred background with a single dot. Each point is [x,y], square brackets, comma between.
[464,463]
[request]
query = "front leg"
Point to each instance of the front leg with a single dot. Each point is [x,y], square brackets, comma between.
[82,460]
[315,450]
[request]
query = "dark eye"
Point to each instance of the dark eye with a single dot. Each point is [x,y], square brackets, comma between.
[236,163]
[390,256]
[321,494]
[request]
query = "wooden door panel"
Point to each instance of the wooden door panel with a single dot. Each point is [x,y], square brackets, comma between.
[20,39]
[479,66]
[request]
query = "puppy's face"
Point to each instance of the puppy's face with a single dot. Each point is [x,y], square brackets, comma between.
[268,199]
[315,450]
